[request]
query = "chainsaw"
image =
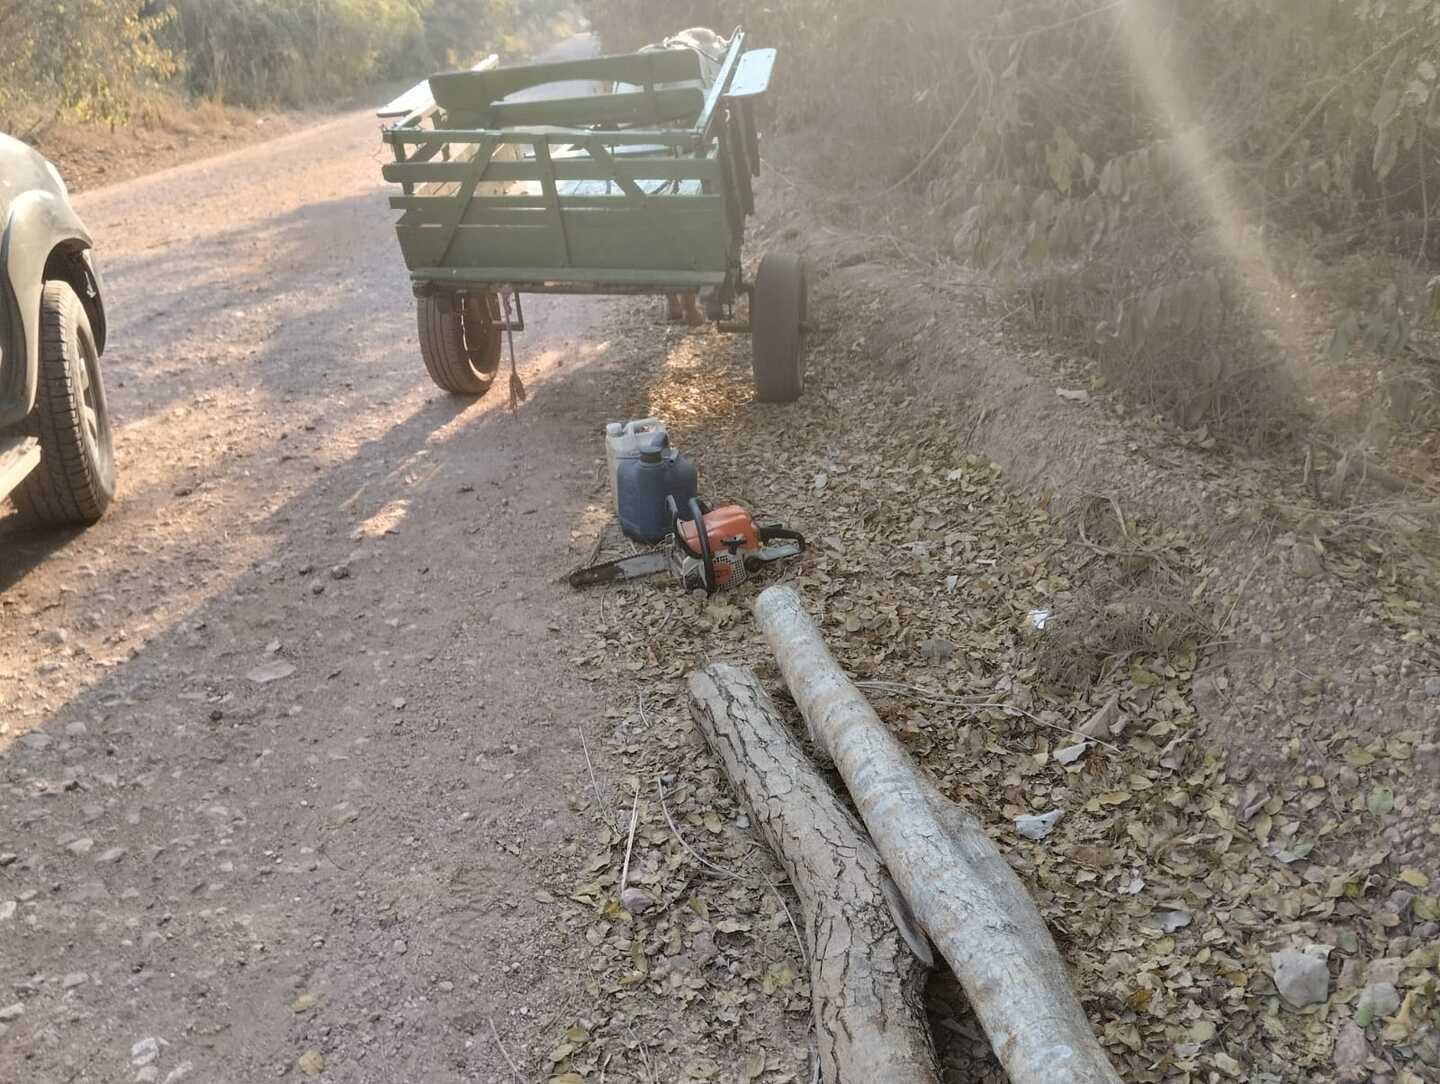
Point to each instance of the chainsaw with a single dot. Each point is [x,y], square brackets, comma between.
[714,549]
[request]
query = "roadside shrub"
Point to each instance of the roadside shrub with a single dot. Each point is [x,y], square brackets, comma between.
[92,58]
[256,52]
[1131,167]
[99,59]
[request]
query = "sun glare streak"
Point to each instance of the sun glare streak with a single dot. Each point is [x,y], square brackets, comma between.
[1237,232]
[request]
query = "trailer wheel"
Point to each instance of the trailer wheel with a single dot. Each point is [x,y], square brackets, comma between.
[75,481]
[460,341]
[777,318]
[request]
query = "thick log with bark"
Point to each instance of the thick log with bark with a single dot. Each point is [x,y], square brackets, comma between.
[959,886]
[865,983]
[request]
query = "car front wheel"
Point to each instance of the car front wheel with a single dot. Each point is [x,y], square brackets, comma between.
[75,481]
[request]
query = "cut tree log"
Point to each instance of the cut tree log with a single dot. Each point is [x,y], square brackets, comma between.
[958,885]
[865,981]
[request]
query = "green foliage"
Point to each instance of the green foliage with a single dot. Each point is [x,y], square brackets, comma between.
[253,52]
[90,56]
[94,59]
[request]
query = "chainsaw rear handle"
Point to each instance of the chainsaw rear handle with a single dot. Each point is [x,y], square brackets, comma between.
[772,534]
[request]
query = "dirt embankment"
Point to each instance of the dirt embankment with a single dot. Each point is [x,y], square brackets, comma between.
[1316,643]
[93,155]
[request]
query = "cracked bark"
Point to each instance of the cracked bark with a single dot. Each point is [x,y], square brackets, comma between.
[865,983]
[957,883]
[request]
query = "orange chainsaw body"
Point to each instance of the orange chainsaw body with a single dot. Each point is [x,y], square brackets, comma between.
[732,534]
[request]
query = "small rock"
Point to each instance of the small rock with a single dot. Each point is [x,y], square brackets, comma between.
[1038,826]
[145,1051]
[7,909]
[1379,998]
[312,1063]
[398,703]
[1432,687]
[271,671]
[635,901]
[304,1003]
[317,588]
[1352,1049]
[111,856]
[937,649]
[400,947]
[80,846]
[74,979]
[179,1073]
[12,1012]
[1302,978]
[340,571]
[8,858]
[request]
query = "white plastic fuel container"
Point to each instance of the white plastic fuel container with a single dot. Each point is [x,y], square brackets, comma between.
[623,441]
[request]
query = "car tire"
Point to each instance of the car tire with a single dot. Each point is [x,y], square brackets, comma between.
[75,481]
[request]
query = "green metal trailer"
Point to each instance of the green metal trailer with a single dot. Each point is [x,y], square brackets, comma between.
[641,189]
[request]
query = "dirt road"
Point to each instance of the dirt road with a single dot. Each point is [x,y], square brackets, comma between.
[295,721]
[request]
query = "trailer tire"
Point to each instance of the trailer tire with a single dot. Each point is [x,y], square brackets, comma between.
[460,341]
[777,318]
[75,481]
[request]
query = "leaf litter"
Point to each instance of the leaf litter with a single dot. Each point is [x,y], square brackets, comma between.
[1169,884]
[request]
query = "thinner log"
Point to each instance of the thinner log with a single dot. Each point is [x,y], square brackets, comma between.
[960,888]
[865,983]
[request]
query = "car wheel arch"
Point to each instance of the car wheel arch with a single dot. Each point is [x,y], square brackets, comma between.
[72,261]
[42,233]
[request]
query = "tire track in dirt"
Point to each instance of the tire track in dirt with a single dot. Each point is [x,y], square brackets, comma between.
[375,827]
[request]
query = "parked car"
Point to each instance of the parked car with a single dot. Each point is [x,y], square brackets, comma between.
[57,458]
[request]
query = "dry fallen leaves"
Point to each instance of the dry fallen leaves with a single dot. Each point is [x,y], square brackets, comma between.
[1165,899]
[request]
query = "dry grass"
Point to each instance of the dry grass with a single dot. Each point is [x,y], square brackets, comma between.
[1133,603]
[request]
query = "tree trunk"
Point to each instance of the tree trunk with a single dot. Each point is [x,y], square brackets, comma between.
[865,983]
[958,885]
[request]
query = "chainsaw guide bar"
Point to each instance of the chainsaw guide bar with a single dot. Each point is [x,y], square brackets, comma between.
[712,550]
